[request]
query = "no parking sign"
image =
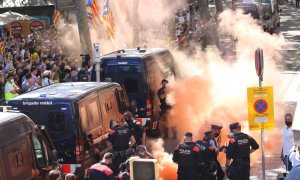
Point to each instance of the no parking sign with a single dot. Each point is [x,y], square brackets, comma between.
[260,108]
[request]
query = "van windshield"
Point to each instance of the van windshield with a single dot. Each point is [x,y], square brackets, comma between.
[123,68]
[127,72]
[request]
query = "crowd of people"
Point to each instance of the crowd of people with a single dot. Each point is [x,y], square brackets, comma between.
[27,63]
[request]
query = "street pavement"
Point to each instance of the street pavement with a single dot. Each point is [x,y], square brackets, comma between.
[290,66]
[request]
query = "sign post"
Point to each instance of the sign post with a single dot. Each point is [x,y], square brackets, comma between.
[259,66]
[97,60]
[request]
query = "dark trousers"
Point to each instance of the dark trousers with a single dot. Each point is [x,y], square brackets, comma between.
[187,174]
[241,170]
[119,158]
[287,163]
[165,126]
[220,172]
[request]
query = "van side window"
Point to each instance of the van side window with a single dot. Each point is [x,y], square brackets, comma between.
[90,117]
[120,100]
[56,122]
[38,148]
[19,160]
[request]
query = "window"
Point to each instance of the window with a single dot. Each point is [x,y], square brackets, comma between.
[38,151]
[56,122]
[120,100]
[93,113]
[90,117]
[131,85]
[19,160]
[123,68]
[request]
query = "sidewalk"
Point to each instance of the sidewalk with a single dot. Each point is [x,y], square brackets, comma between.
[274,165]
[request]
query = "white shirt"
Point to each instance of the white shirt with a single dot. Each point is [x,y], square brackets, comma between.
[295,158]
[46,82]
[288,140]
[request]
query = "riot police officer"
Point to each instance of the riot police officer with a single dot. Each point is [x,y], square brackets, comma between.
[120,139]
[239,149]
[208,168]
[215,142]
[137,129]
[164,110]
[187,155]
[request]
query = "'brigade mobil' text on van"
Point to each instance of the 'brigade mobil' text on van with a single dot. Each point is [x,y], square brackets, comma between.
[140,72]
[77,117]
[26,151]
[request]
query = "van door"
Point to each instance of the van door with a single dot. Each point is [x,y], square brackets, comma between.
[18,159]
[108,107]
[91,123]
[42,154]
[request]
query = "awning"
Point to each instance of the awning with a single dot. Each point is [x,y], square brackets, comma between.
[10,16]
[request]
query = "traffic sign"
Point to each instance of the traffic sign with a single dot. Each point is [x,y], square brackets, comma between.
[259,61]
[260,108]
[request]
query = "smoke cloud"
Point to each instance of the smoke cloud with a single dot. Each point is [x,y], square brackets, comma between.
[211,90]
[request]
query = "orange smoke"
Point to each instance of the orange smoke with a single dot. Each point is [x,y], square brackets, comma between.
[167,169]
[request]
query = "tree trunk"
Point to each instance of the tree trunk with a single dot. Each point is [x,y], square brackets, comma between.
[219,7]
[204,19]
[84,31]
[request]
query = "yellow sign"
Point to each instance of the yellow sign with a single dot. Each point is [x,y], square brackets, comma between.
[260,108]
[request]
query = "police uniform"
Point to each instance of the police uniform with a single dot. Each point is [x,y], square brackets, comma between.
[187,155]
[101,171]
[239,150]
[119,137]
[137,130]
[213,142]
[164,107]
[208,154]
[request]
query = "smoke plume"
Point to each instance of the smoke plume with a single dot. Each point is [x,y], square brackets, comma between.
[212,89]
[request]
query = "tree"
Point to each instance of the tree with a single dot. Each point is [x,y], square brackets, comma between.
[219,6]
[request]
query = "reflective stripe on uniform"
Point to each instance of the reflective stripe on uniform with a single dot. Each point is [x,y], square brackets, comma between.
[69,168]
[142,121]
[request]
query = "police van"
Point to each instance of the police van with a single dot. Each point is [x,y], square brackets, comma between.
[140,71]
[257,12]
[77,117]
[26,151]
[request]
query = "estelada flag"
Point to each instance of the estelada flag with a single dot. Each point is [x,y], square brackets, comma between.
[108,21]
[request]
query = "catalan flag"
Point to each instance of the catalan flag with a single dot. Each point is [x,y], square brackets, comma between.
[95,13]
[56,20]
[108,21]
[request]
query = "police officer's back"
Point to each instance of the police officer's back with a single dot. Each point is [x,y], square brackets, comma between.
[208,168]
[187,156]
[239,149]
[102,170]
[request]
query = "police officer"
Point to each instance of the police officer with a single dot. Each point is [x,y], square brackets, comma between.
[164,109]
[119,139]
[102,170]
[208,168]
[215,142]
[187,155]
[239,149]
[137,129]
